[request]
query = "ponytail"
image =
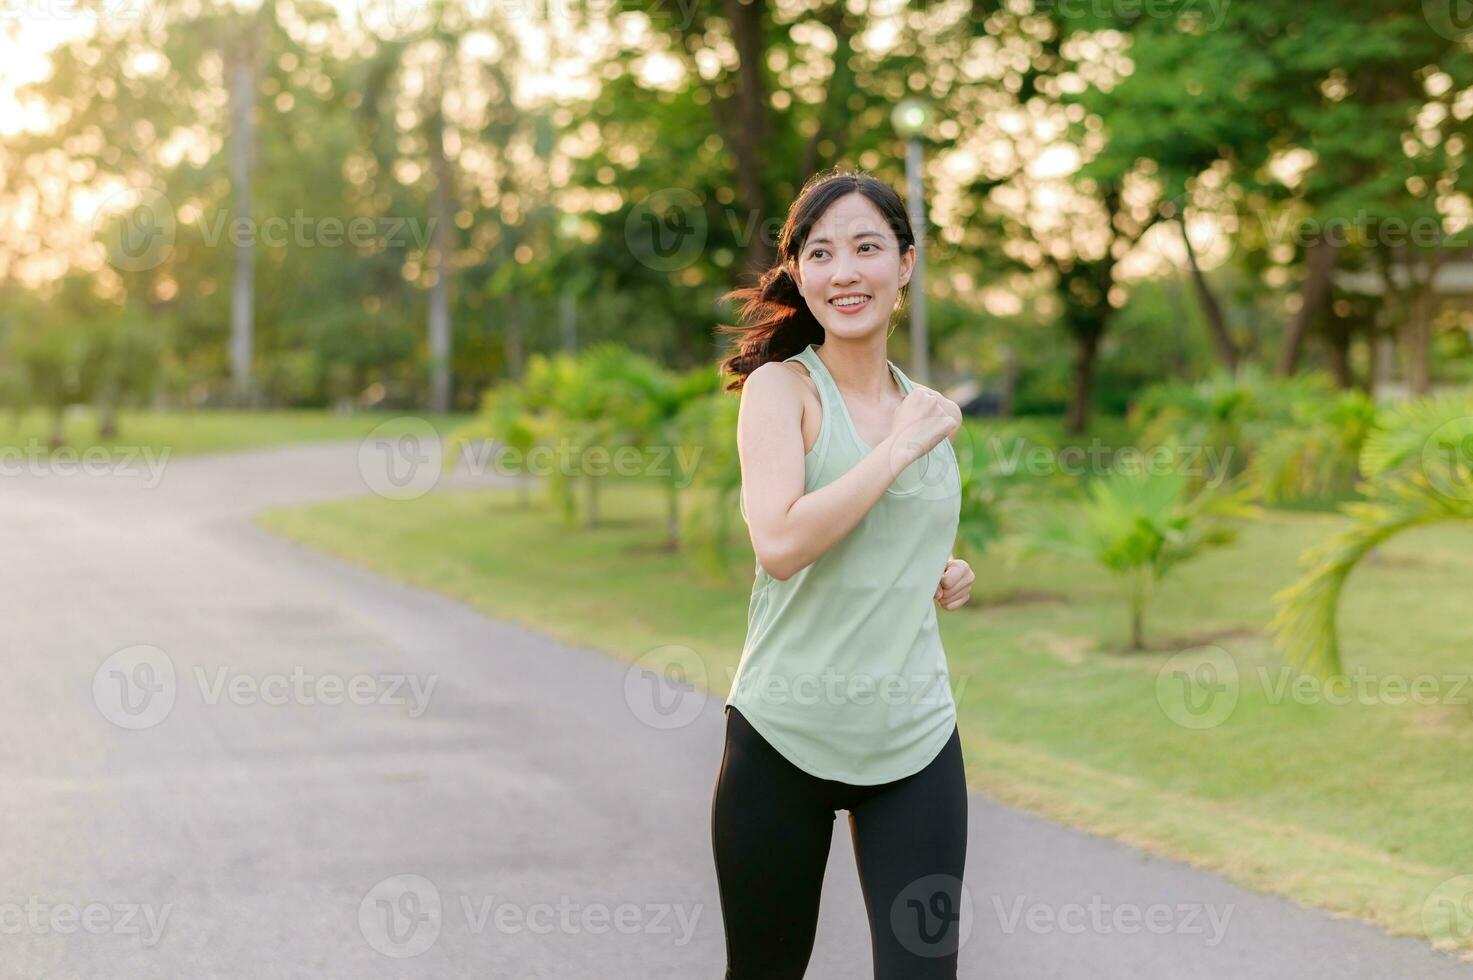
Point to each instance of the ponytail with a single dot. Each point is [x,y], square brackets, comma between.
[776,323]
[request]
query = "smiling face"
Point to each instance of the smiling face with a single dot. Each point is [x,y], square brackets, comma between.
[851,268]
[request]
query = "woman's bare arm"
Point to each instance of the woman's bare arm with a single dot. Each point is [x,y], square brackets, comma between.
[790,529]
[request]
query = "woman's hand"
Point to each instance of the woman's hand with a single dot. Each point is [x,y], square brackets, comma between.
[923,419]
[956,584]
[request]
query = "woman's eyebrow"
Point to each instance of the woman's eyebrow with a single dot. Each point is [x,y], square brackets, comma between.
[857,236]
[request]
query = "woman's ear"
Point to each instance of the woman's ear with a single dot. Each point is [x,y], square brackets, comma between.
[907,265]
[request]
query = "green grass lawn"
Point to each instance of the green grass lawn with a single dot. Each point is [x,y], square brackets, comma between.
[209,430]
[1359,808]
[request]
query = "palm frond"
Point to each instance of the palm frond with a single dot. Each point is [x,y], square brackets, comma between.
[1435,432]
[1305,624]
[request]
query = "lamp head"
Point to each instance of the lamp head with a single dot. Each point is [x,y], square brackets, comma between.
[910,117]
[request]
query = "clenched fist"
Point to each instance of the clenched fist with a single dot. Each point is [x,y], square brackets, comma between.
[955,587]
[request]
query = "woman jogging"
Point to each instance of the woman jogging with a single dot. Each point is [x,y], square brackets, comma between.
[842,700]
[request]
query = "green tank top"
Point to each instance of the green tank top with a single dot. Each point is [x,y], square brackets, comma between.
[843,670]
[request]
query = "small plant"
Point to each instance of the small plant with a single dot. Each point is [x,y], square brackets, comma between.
[1140,527]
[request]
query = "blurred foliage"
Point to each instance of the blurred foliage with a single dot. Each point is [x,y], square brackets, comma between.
[418,122]
[1233,416]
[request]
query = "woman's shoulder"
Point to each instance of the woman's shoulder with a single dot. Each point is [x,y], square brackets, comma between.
[783,383]
[779,372]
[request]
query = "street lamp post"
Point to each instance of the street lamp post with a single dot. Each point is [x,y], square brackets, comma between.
[910,119]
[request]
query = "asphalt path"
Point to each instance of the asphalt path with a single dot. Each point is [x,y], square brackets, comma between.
[225,755]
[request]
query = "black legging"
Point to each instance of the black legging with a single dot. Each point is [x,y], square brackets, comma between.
[771,826]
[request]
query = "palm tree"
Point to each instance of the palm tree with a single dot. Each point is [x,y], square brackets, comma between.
[668,432]
[1140,527]
[1419,468]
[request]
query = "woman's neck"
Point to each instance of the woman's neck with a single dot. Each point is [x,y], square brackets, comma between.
[859,366]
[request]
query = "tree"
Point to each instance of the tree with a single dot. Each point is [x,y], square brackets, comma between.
[752,99]
[1327,125]
[1050,197]
[244,53]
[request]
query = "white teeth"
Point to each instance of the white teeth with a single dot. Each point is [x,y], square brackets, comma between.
[851,301]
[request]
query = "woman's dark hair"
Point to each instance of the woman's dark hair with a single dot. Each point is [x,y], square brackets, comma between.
[776,322]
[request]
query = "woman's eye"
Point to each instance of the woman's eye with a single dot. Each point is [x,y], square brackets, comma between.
[818,252]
